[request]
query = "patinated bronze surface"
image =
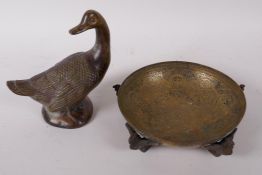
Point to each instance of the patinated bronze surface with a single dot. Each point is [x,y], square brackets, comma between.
[63,88]
[182,104]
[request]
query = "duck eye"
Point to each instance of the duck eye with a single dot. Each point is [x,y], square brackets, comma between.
[92,19]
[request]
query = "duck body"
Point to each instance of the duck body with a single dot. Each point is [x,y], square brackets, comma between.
[63,85]
[67,83]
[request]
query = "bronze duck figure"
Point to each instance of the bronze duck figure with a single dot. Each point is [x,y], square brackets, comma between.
[63,89]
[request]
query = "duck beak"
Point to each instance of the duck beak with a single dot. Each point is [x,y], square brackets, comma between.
[78,29]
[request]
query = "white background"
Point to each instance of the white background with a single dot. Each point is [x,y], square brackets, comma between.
[223,34]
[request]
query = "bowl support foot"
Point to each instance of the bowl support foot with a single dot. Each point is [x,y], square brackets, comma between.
[222,147]
[138,142]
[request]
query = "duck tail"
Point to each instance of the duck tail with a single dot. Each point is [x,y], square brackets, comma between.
[21,87]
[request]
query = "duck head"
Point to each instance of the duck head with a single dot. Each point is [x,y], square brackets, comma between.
[91,19]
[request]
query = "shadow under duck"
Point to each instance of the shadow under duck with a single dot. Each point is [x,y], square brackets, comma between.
[63,88]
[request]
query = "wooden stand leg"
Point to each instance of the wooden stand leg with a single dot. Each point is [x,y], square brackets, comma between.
[137,142]
[223,147]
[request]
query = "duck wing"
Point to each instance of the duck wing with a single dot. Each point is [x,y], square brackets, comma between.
[67,96]
[65,84]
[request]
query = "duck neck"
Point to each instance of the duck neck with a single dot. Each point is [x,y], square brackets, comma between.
[101,49]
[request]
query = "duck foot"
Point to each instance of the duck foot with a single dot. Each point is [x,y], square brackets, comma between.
[222,147]
[74,117]
[137,142]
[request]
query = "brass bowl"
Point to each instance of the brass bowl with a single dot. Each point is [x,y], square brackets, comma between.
[181,103]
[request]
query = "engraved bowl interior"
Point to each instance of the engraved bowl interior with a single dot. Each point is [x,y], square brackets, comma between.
[181,103]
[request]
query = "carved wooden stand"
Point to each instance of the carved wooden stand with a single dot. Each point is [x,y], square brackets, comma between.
[222,147]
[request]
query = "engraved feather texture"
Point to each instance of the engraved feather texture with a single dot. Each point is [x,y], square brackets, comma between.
[63,85]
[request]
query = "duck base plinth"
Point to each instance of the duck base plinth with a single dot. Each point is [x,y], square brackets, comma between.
[223,147]
[74,117]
